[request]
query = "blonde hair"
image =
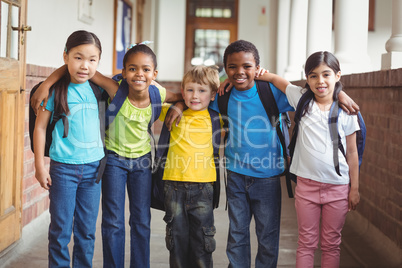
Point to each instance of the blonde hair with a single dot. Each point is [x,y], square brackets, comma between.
[200,74]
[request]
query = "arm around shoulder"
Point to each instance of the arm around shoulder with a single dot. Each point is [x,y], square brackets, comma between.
[42,92]
[106,83]
[278,81]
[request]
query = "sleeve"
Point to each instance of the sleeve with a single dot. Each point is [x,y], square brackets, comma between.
[294,93]
[162,91]
[165,108]
[50,103]
[350,123]
[281,100]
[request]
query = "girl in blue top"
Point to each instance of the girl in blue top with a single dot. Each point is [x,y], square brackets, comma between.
[71,181]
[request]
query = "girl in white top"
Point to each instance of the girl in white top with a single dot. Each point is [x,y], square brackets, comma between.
[322,194]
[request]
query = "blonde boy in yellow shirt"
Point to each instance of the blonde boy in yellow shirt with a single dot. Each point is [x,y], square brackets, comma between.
[190,173]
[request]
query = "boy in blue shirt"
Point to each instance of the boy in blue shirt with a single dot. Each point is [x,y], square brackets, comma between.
[253,161]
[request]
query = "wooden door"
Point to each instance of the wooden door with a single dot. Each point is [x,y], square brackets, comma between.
[12,117]
[210,27]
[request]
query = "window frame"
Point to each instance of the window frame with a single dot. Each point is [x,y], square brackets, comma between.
[204,23]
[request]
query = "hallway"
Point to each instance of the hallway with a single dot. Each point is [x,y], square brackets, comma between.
[31,251]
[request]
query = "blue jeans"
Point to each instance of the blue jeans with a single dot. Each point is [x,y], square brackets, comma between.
[135,173]
[261,198]
[74,205]
[190,226]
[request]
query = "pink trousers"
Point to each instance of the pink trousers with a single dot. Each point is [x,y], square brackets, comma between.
[315,201]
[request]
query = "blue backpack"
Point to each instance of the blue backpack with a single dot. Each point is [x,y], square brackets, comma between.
[335,137]
[157,195]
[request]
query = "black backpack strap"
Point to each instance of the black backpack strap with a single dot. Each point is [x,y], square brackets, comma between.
[271,108]
[101,113]
[333,130]
[216,142]
[223,102]
[157,192]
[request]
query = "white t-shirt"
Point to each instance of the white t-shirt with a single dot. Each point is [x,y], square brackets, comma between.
[313,155]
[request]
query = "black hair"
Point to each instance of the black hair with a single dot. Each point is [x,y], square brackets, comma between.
[60,88]
[315,60]
[137,49]
[241,46]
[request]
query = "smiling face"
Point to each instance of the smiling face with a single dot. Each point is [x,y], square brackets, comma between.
[241,69]
[139,71]
[82,62]
[322,82]
[197,96]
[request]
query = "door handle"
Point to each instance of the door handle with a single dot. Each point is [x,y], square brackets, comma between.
[22,29]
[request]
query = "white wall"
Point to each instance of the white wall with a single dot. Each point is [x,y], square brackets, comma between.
[53,21]
[170,39]
[258,28]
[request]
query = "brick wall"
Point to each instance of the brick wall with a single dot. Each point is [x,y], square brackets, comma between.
[379,95]
[34,199]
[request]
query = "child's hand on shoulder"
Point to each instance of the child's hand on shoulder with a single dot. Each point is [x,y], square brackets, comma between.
[41,94]
[175,114]
[261,71]
[225,86]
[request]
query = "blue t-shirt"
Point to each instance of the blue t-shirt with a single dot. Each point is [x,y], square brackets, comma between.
[253,147]
[83,144]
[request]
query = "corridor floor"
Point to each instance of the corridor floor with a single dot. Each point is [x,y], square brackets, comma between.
[31,250]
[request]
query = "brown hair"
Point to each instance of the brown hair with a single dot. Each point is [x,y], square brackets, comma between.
[200,74]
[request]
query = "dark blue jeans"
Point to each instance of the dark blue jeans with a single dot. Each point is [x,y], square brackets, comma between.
[135,173]
[74,205]
[190,226]
[261,198]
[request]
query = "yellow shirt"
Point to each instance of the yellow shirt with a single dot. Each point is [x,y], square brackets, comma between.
[190,156]
[128,135]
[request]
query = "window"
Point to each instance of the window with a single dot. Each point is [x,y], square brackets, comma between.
[9,20]
[211,27]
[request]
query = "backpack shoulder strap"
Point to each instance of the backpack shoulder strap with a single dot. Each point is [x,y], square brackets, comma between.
[216,141]
[101,108]
[156,103]
[223,102]
[116,103]
[216,130]
[163,142]
[268,101]
[101,111]
[333,130]
[361,137]
[271,108]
